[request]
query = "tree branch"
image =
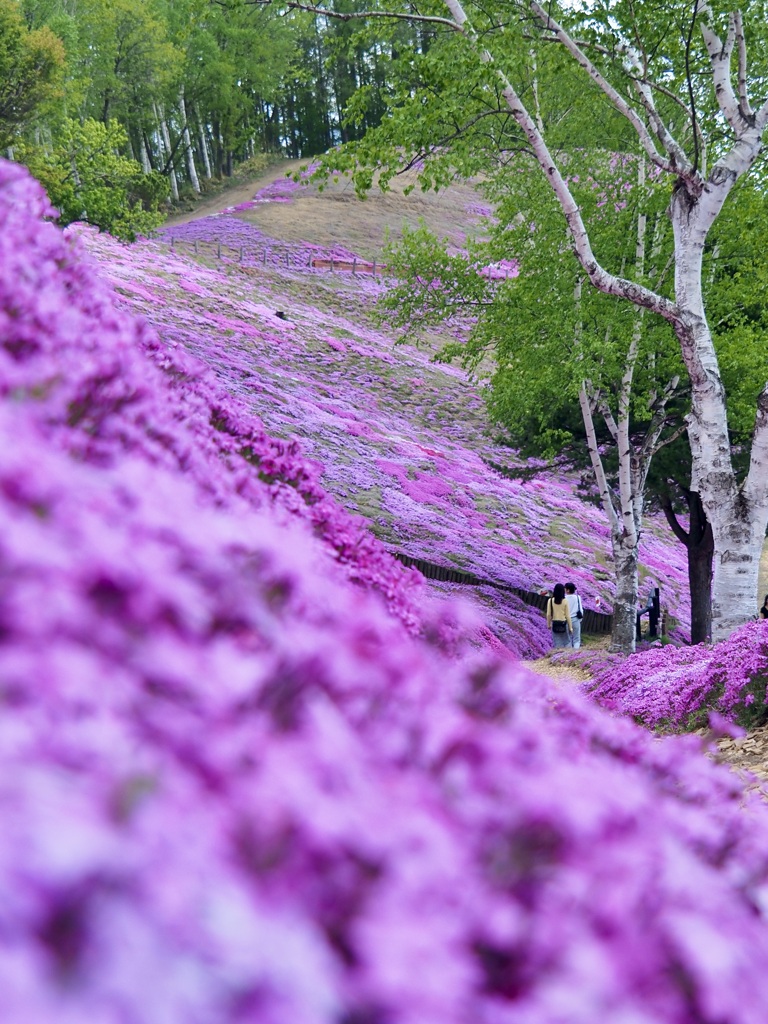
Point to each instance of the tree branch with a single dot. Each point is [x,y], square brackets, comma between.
[668,440]
[641,77]
[605,411]
[754,485]
[744,105]
[720,59]
[689,83]
[297,5]
[671,165]
[674,525]
[605,282]
[606,495]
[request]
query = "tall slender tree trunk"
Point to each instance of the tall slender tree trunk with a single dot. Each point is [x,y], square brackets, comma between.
[625,559]
[217,149]
[191,169]
[146,166]
[203,146]
[624,541]
[165,139]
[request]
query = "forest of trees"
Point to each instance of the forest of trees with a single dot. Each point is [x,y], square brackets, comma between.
[155,98]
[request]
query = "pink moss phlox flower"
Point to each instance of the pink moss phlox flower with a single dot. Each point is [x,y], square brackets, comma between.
[680,685]
[238,784]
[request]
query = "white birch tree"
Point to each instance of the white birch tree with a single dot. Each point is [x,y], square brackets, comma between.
[678,124]
[187,138]
[167,150]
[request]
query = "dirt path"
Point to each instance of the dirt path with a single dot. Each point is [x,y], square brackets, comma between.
[560,673]
[236,192]
[749,754]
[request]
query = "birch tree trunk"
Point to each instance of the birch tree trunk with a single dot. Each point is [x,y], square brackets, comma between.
[146,166]
[737,514]
[165,139]
[204,147]
[624,542]
[625,559]
[191,169]
[625,573]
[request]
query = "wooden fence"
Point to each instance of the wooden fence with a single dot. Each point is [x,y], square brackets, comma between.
[354,266]
[593,622]
[275,256]
[297,259]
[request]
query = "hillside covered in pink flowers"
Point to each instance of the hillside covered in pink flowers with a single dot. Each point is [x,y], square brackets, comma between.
[398,439]
[253,771]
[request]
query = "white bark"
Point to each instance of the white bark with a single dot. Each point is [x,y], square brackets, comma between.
[165,140]
[738,547]
[204,148]
[191,169]
[146,166]
[624,543]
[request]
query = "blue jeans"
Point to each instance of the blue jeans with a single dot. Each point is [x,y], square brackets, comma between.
[576,634]
[561,639]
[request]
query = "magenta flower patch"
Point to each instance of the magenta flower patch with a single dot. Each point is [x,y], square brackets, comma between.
[248,773]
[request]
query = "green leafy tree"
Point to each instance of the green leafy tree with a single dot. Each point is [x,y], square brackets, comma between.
[31,67]
[125,56]
[87,180]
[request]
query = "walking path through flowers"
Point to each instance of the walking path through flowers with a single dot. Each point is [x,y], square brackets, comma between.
[560,673]
[748,754]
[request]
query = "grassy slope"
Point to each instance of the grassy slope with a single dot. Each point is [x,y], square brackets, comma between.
[402,440]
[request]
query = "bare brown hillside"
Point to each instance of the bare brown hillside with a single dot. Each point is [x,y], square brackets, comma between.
[336,216]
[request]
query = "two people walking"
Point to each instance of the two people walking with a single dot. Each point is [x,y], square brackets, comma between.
[564,615]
